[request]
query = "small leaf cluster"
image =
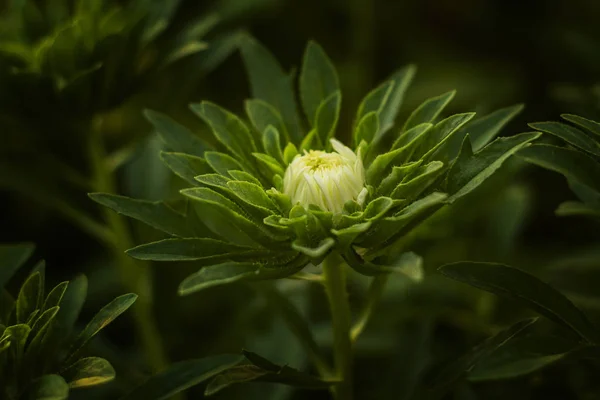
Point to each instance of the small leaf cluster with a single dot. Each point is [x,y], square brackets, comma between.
[39,356]
[250,230]
[578,161]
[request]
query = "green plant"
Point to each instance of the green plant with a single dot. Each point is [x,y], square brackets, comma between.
[249,216]
[40,357]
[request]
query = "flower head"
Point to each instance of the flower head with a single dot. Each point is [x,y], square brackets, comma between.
[327,180]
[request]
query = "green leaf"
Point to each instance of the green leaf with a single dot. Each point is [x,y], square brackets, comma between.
[253,195]
[401,80]
[408,264]
[29,297]
[426,145]
[318,81]
[270,83]
[573,164]
[411,136]
[367,128]
[12,257]
[231,272]
[181,376]
[484,129]
[34,354]
[470,170]
[423,177]
[153,213]
[447,377]
[398,174]
[570,208]
[222,163]
[585,123]
[38,329]
[375,101]
[105,316]
[193,249]
[185,166]
[177,137]
[49,387]
[271,163]
[55,296]
[327,117]
[262,370]
[272,143]
[428,111]
[244,176]
[570,135]
[289,152]
[526,289]
[317,252]
[89,371]
[345,236]
[18,337]
[521,356]
[227,128]
[263,115]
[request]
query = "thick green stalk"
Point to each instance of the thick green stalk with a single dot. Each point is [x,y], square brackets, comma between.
[134,275]
[334,274]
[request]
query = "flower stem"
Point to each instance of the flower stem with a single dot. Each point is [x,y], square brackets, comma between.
[373,296]
[334,274]
[134,275]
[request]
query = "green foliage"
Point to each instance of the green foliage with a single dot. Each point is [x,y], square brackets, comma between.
[39,359]
[579,162]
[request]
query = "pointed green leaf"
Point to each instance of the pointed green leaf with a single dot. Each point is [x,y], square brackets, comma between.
[525,289]
[231,272]
[398,174]
[12,257]
[429,110]
[411,135]
[574,165]
[153,213]
[244,176]
[262,114]
[401,80]
[327,117]
[424,177]
[222,163]
[378,208]
[18,335]
[318,81]
[181,376]
[367,128]
[185,166]
[89,371]
[483,130]
[55,296]
[49,387]
[270,83]
[570,135]
[104,317]
[29,297]
[39,327]
[433,138]
[176,136]
[227,128]
[271,163]
[289,152]
[346,236]
[272,143]
[193,249]
[252,194]
[375,101]
[584,123]
[469,171]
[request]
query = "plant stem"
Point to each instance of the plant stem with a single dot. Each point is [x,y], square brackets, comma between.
[373,296]
[334,275]
[135,276]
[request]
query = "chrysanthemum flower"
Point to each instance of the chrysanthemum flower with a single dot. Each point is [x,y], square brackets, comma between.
[281,193]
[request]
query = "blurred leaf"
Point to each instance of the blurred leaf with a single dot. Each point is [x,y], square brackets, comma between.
[181,376]
[186,166]
[401,80]
[526,289]
[262,115]
[271,84]
[449,375]
[49,387]
[570,208]
[570,135]
[104,317]
[177,137]
[12,257]
[29,297]
[262,370]
[573,164]
[88,371]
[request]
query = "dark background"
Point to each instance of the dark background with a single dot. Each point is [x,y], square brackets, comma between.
[543,53]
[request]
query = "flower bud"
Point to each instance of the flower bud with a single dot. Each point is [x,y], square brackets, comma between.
[327,180]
